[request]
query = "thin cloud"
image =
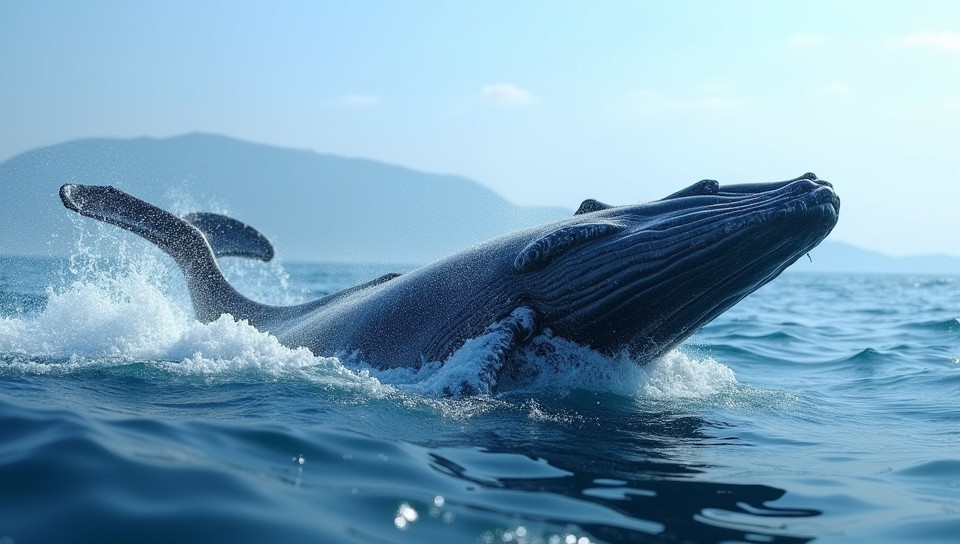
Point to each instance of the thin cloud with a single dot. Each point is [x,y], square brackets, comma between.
[717,87]
[836,89]
[806,41]
[359,100]
[716,105]
[649,102]
[506,94]
[942,40]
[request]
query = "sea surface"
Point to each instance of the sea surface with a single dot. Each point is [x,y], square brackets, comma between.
[821,408]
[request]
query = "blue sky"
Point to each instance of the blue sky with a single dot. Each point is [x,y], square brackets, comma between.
[544,102]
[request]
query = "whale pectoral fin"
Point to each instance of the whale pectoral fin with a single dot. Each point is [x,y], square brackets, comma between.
[493,348]
[231,238]
[549,247]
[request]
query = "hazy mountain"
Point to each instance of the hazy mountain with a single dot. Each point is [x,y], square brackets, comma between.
[841,257]
[312,206]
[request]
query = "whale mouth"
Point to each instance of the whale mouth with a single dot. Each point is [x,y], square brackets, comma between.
[820,205]
[753,228]
[688,260]
[725,256]
[703,219]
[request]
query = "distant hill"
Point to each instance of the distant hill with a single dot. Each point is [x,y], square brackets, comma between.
[832,256]
[314,207]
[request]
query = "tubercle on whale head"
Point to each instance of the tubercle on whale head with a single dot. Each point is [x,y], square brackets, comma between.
[751,202]
[702,188]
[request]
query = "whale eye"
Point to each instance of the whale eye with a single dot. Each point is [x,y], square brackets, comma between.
[547,249]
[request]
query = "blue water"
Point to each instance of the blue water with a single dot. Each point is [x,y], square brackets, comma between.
[822,407]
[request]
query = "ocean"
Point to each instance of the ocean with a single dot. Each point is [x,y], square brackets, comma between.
[823,407]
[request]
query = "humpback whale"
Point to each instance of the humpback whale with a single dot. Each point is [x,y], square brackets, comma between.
[638,278]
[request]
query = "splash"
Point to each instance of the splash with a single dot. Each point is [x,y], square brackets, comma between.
[133,309]
[558,366]
[681,375]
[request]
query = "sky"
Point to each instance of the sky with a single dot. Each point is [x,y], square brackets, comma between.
[545,102]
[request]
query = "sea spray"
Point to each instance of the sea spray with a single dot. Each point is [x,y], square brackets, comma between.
[132,309]
[133,306]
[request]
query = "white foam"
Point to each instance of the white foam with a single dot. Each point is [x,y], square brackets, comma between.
[127,315]
[681,375]
[124,315]
[135,310]
[556,365]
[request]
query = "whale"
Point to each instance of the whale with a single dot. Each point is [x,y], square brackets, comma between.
[635,279]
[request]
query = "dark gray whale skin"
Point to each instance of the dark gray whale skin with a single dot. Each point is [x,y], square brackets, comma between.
[637,278]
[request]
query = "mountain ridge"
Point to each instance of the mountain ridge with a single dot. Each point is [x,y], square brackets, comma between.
[334,208]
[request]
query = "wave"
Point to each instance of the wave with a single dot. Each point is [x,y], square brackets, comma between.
[946,325]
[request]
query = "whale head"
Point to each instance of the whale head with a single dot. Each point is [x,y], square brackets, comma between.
[643,278]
